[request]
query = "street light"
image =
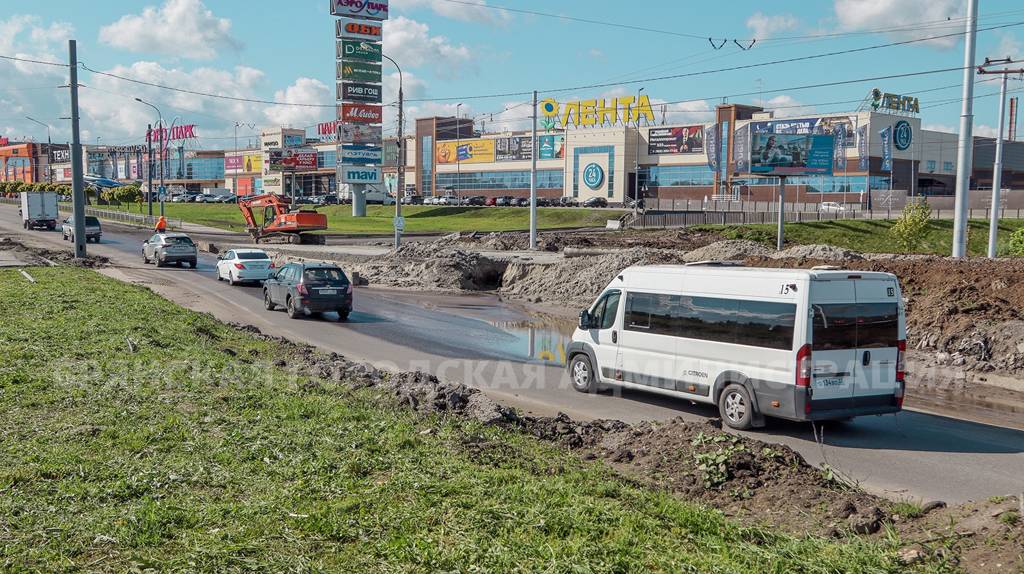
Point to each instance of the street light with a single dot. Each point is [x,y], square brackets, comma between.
[149,137]
[400,192]
[636,162]
[458,145]
[49,148]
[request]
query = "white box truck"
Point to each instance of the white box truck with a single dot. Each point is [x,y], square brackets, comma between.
[39,209]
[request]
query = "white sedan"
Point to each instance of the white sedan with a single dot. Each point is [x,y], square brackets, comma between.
[240,265]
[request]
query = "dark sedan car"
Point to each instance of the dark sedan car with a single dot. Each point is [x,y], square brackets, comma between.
[596,202]
[308,288]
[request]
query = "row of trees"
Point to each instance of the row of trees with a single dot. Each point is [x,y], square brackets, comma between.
[13,188]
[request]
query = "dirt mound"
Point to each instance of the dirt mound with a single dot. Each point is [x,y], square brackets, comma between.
[727,250]
[822,252]
[679,239]
[575,281]
[41,256]
[430,267]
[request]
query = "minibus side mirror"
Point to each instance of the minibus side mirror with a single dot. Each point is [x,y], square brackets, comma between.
[585,319]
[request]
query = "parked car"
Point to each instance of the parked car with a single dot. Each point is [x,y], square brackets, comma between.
[544,202]
[93,230]
[413,200]
[166,248]
[179,199]
[568,202]
[831,206]
[329,199]
[240,265]
[491,201]
[596,202]
[504,201]
[521,202]
[308,288]
[826,344]
[475,200]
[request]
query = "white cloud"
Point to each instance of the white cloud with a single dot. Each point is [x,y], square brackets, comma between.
[596,53]
[185,28]
[764,26]
[409,42]
[461,11]
[33,86]
[303,91]
[939,128]
[788,107]
[693,112]
[108,104]
[985,131]
[1009,46]
[915,18]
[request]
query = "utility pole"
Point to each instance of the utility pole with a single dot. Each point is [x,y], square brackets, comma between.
[965,146]
[160,116]
[781,226]
[149,168]
[400,192]
[77,180]
[458,160]
[997,165]
[533,177]
[636,156]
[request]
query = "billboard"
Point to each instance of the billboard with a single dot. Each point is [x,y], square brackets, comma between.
[244,163]
[685,139]
[350,133]
[361,154]
[465,151]
[352,29]
[359,92]
[359,72]
[516,148]
[819,125]
[291,159]
[791,154]
[362,113]
[358,174]
[551,147]
[372,9]
[359,50]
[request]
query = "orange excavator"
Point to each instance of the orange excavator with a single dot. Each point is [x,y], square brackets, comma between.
[280,222]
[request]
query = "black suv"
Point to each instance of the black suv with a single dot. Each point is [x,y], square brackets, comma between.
[308,288]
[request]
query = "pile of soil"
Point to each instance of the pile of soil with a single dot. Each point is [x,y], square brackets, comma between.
[40,256]
[574,282]
[728,250]
[749,480]
[426,266]
[819,252]
[681,239]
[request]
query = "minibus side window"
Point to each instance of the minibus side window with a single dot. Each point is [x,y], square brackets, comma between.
[834,327]
[878,326]
[605,310]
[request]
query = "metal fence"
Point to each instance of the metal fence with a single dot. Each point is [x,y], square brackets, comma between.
[109,215]
[687,218]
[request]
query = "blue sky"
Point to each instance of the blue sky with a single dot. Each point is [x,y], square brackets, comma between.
[284,52]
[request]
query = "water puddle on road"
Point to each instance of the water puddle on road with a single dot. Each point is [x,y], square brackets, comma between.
[540,339]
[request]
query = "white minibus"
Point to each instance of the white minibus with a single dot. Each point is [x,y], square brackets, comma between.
[798,344]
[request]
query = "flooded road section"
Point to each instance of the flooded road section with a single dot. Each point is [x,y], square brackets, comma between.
[462,326]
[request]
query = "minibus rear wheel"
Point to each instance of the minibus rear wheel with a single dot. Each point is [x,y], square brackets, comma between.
[736,408]
[581,373]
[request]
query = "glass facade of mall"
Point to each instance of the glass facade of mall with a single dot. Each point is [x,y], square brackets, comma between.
[501,180]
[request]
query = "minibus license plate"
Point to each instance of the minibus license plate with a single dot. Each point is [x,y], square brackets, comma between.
[825,382]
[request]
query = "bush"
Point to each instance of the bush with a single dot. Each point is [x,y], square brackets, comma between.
[911,228]
[1017,243]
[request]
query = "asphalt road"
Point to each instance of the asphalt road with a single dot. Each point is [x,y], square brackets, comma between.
[481,341]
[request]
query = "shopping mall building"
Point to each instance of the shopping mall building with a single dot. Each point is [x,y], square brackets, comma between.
[591,148]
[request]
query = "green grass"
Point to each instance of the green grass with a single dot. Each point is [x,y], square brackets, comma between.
[872,236]
[137,435]
[418,218]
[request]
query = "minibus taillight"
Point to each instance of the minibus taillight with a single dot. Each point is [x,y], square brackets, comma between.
[901,357]
[803,366]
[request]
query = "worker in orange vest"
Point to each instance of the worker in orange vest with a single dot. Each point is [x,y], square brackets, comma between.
[161,224]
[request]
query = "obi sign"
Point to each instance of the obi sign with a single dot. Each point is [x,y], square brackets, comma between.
[353,29]
[598,112]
